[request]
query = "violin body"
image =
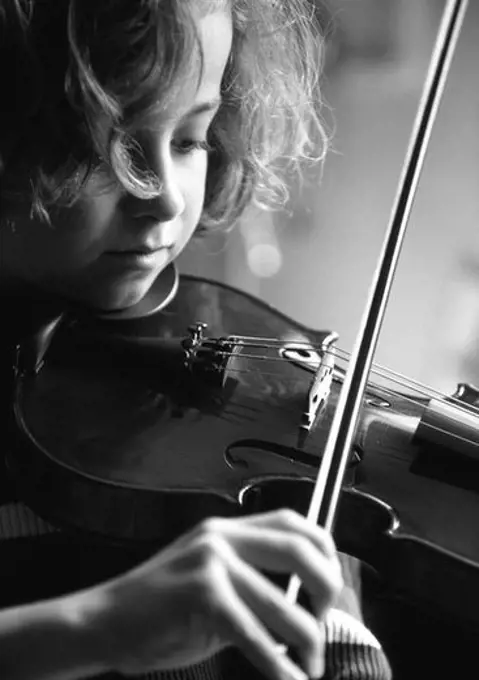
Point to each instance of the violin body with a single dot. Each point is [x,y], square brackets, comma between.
[126,451]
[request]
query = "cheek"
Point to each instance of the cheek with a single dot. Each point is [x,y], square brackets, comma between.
[194,197]
[71,237]
[197,210]
[84,231]
[199,188]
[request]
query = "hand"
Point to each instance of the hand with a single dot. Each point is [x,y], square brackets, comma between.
[207,591]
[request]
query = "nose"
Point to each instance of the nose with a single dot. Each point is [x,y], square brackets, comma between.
[169,203]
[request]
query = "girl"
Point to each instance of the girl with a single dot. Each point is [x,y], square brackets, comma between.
[126,127]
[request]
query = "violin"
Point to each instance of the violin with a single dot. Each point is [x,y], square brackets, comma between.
[140,449]
[134,429]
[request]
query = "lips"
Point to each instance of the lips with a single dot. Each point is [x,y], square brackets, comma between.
[139,258]
[140,250]
[127,253]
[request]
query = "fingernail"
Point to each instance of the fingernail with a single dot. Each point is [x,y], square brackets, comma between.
[316,668]
[315,664]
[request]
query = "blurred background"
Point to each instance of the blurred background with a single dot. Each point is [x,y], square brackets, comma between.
[315,261]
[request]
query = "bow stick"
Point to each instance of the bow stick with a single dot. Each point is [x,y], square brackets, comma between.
[325,496]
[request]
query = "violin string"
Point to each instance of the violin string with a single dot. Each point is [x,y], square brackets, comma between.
[451,435]
[429,426]
[381,371]
[384,371]
[410,400]
[401,379]
[450,401]
[378,369]
[274,343]
[425,391]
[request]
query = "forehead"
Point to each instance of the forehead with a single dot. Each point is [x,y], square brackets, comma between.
[200,78]
[215,30]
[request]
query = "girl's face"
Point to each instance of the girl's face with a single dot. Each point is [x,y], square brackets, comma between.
[109,248]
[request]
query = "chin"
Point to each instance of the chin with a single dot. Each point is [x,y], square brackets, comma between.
[117,299]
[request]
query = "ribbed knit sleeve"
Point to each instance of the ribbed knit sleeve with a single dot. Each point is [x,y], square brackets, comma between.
[352,651]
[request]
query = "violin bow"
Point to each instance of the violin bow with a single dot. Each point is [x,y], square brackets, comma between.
[327,488]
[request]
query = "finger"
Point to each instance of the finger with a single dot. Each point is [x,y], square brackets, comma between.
[285,552]
[244,630]
[289,622]
[291,521]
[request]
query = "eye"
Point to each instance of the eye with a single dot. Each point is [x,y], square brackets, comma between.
[187,146]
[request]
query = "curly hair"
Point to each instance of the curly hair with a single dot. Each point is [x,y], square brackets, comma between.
[70,69]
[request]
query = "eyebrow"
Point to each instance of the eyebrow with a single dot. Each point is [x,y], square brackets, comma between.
[204,107]
[196,110]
